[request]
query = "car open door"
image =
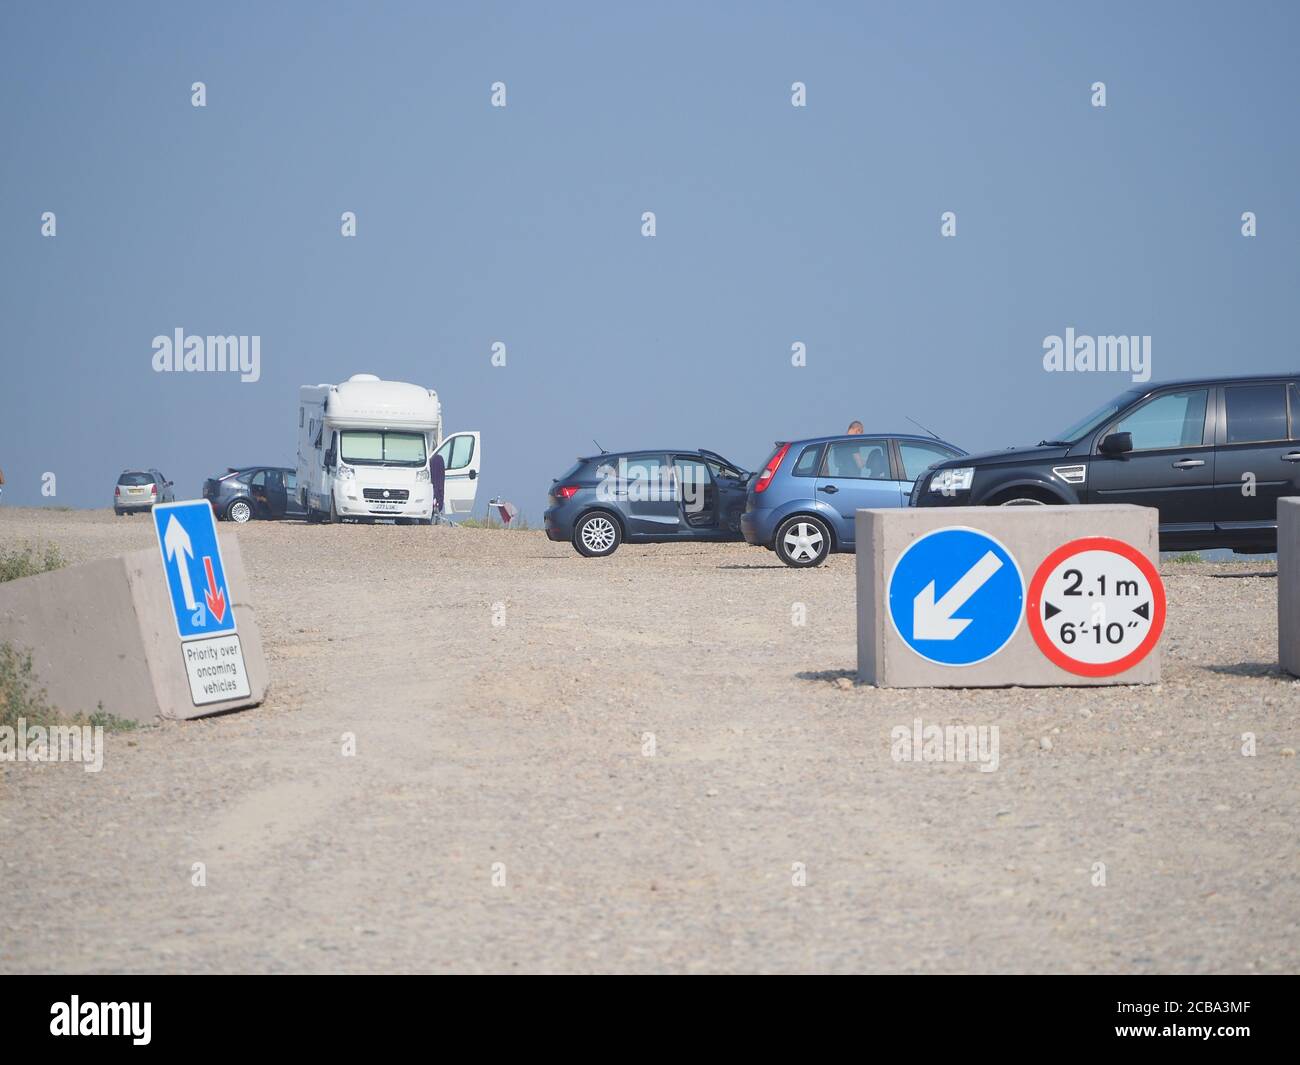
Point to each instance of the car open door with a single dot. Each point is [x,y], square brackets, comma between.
[856,473]
[462,458]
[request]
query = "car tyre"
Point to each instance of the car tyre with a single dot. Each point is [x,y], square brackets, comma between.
[240,512]
[597,535]
[1022,501]
[802,541]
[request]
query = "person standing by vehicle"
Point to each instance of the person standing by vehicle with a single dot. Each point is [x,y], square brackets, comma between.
[854,429]
[438,483]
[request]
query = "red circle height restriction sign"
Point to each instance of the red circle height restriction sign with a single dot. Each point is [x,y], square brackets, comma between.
[1096,606]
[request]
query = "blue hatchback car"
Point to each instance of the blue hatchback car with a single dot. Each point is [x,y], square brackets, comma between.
[802,504]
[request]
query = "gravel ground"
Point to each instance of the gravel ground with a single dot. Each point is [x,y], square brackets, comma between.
[516,750]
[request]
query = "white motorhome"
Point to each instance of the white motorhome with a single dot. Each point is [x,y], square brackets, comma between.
[364,447]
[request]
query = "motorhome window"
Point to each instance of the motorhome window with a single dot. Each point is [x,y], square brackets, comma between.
[319,432]
[375,448]
[457,452]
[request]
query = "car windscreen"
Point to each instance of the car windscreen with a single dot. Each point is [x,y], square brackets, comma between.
[1084,426]
[135,479]
[365,447]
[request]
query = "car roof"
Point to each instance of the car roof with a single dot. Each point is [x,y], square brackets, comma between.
[1221,379]
[645,451]
[871,436]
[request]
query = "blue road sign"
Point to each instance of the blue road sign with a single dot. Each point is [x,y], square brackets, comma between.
[956,596]
[196,577]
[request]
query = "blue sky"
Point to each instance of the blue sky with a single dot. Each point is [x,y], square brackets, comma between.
[775,224]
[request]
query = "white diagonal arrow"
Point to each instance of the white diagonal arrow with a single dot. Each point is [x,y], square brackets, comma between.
[935,621]
[176,544]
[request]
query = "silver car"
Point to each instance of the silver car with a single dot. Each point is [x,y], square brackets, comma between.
[140,490]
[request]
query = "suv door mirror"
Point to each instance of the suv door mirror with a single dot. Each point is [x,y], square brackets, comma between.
[1116,444]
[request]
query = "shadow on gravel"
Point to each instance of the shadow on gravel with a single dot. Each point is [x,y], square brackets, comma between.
[756,565]
[1238,576]
[1251,669]
[828,675]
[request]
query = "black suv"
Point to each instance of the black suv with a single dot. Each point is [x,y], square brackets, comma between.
[646,497]
[1212,455]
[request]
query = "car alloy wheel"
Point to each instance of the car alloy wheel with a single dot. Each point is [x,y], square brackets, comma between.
[597,534]
[239,511]
[1022,501]
[803,542]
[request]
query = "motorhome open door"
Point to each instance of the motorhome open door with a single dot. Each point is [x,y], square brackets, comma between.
[461,454]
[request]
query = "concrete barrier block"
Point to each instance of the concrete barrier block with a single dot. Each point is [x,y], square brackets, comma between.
[102,636]
[1288,584]
[999,596]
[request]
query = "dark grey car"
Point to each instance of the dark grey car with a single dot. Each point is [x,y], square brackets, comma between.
[249,492]
[646,497]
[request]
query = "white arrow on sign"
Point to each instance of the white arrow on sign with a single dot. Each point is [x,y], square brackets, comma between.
[176,542]
[935,621]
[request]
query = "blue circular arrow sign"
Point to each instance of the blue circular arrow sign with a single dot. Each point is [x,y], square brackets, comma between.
[956,596]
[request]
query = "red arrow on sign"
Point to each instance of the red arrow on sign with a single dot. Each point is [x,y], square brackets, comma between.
[216,598]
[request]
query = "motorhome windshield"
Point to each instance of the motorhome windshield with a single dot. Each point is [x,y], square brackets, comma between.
[367,448]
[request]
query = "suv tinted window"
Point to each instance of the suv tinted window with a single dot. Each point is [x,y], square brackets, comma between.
[135,478]
[1255,412]
[1176,419]
[860,458]
[1294,390]
[807,464]
[918,457]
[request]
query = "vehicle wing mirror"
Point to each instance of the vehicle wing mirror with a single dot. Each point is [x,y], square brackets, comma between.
[1117,443]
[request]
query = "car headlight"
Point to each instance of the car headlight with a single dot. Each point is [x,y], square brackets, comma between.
[951,481]
[422,475]
[346,473]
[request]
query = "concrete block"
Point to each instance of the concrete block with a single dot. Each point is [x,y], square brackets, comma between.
[1029,596]
[103,633]
[1288,584]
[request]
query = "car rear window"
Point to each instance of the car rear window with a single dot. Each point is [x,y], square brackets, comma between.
[809,457]
[135,479]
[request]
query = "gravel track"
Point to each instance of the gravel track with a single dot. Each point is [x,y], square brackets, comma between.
[522,744]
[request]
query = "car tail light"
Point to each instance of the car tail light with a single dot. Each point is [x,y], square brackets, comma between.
[566,491]
[773,464]
[153,489]
[117,490]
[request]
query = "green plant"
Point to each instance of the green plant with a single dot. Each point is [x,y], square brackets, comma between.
[1186,557]
[26,560]
[20,695]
